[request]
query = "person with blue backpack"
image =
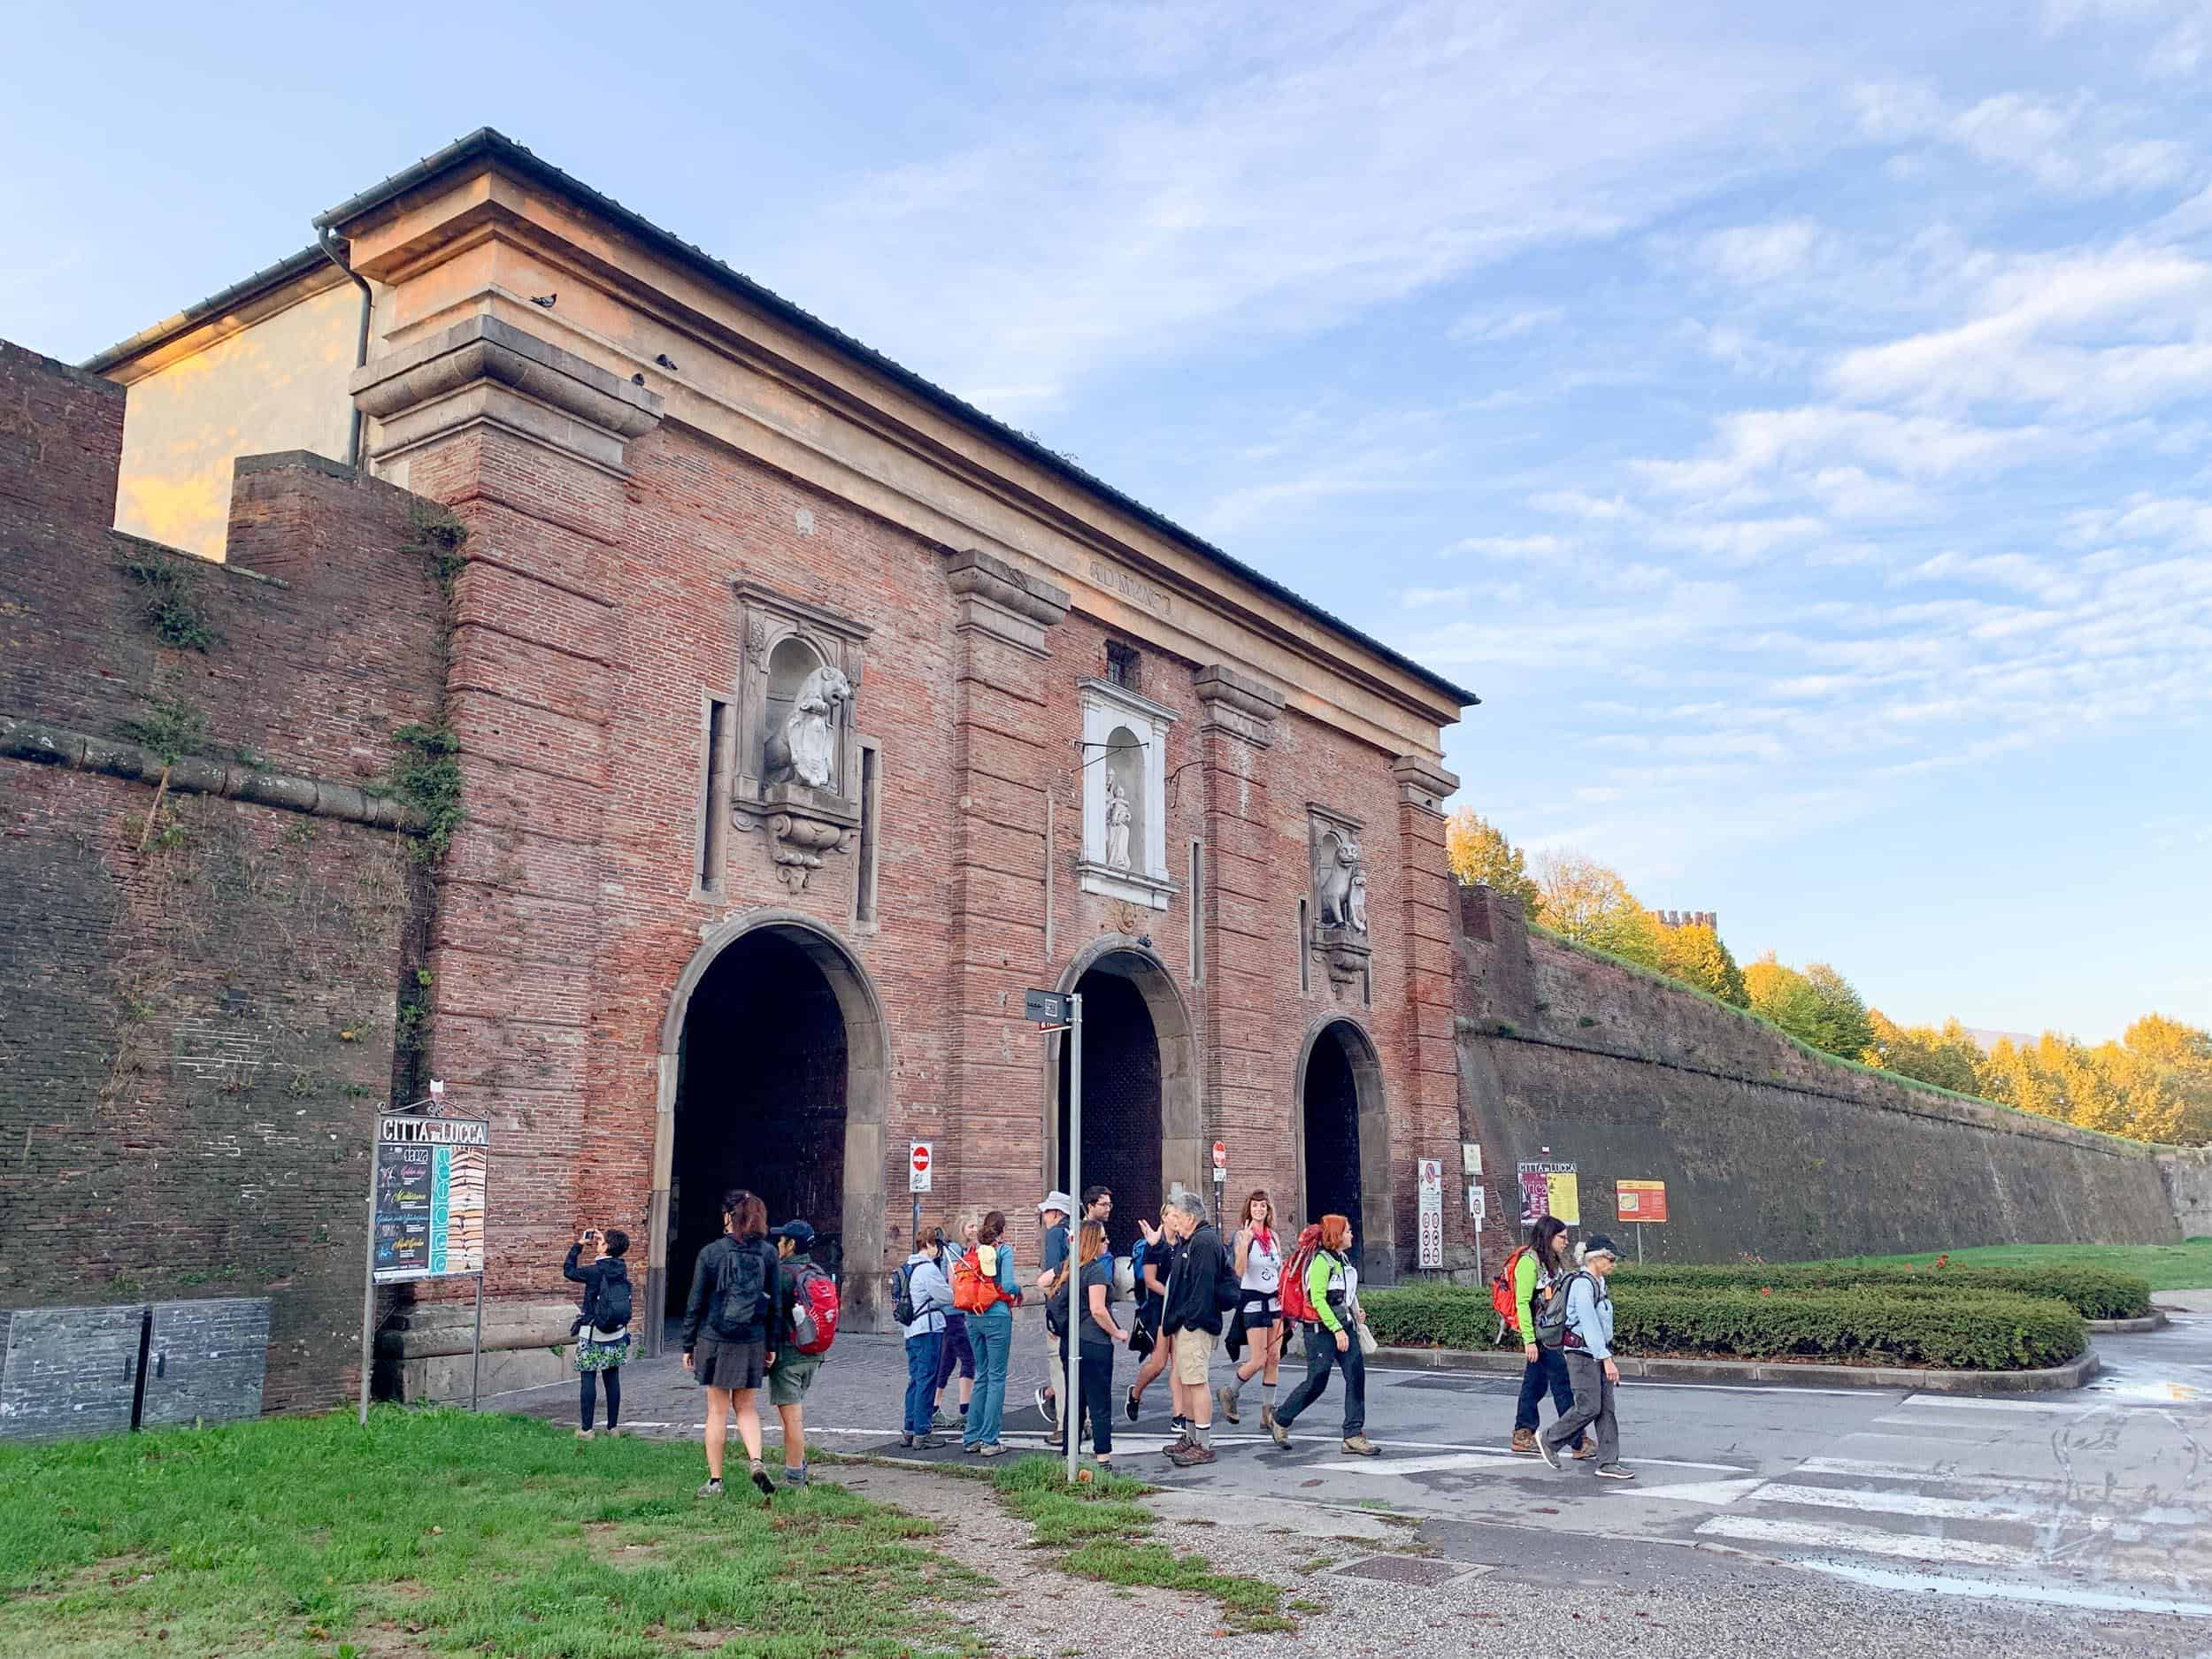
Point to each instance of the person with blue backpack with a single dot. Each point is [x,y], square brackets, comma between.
[730,1336]
[921,1301]
[1582,1327]
[602,1328]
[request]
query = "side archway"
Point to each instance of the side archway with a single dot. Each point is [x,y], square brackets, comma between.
[1343,1140]
[774,1073]
[1144,1126]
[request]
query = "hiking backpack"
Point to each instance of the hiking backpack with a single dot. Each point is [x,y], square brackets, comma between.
[1551,1318]
[1503,1301]
[741,1294]
[814,1308]
[1297,1306]
[902,1294]
[972,1290]
[611,1309]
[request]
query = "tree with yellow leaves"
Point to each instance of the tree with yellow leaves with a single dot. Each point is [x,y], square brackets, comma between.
[1582,899]
[1946,1056]
[1694,953]
[1480,853]
[2155,1084]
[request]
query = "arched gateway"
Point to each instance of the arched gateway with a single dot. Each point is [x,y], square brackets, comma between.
[774,1071]
[1344,1140]
[1143,1127]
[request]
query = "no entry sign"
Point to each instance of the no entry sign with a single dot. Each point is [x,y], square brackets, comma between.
[918,1166]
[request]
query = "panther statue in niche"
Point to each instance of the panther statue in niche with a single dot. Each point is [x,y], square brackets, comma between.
[806,748]
[1341,884]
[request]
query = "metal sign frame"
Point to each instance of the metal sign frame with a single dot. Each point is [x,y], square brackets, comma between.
[438,1116]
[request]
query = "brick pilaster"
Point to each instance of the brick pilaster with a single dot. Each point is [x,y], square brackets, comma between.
[1429,1062]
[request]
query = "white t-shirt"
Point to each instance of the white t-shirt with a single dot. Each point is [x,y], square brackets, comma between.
[1264,1265]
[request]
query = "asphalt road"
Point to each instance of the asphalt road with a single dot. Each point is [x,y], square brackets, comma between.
[2096,1502]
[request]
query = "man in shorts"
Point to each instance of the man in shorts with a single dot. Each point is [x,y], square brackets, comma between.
[1192,1321]
[792,1373]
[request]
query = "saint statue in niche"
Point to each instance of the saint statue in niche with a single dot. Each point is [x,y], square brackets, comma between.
[1119,818]
[806,747]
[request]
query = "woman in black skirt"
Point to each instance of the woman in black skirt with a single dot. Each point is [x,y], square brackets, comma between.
[730,1331]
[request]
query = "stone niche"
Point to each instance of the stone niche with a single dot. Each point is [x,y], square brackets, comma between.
[1124,795]
[1339,942]
[794,771]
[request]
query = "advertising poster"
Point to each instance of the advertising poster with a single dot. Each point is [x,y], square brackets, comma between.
[430,1197]
[1549,1189]
[1640,1201]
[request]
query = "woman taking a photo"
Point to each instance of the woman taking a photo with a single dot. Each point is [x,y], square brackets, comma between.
[1259,1265]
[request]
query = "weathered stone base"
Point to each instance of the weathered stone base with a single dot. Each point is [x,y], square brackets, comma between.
[425,1355]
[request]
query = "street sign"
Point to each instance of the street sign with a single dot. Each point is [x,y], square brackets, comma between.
[1476,1202]
[1640,1201]
[917,1169]
[1045,1008]
[1221,1155]
[1470,1157]
[1431,1174]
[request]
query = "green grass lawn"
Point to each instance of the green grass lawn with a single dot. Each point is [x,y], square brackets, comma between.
[2168,1266]
[440,1531]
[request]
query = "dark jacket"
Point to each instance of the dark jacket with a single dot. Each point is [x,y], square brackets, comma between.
[701,1301]
[1199,1269]
[599,1273]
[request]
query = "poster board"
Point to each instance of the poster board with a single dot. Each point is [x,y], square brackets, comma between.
[1549,1189]
[1640,1201]
[428,1215]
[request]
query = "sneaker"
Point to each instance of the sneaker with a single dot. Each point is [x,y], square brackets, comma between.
[944,1422]
[992,1450]
[1524,1442]
[1614,1472]
[1359,1446]
[1191,1456]
[795,1477]
[971,1447]
[1050,1404]
[1280,1432]
[760,1479]
[1548,1452]
[1585,1449]
[1179,1424]
[585,1434]
[1055,1444]
[926,1442]
[1226,1398]
[712,1489]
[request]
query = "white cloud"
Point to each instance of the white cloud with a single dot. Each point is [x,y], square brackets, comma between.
[1754,254]
[1824,437]
[1504,322]
[2075,149]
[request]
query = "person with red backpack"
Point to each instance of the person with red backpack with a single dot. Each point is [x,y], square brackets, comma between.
[806,1319]
[1523,1287]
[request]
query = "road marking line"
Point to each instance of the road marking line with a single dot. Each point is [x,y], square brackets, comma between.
[2050,1595]
[1715,1493]
[1897,1503]
[1861,1469]
[1951,1403]
[1867,1541]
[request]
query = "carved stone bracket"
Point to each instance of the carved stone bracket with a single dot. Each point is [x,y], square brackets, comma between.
[1422,782]
[1239,705]
[803,823]
[484,371]
[1345,955]
[1003,601]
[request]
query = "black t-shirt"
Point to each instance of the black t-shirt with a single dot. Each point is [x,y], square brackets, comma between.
[1161,1259]
[1098,1273]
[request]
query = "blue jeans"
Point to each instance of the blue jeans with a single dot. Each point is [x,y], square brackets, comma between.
[921,1379]
[1547,1370]
[992,1337]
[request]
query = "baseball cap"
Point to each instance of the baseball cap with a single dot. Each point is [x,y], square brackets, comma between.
[1598,1244]
[799,1232]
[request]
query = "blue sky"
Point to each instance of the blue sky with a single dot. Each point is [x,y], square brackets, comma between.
[1795,428]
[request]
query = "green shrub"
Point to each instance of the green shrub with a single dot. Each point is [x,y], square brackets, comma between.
[2096,1293]
[1950,1328]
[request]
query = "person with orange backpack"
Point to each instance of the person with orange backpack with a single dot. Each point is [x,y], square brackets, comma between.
[984,1288]
[1523,1286]
[806,1311]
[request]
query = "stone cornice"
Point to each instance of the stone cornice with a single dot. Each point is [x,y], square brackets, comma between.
[999,599]
[1422,782]
[1239,705]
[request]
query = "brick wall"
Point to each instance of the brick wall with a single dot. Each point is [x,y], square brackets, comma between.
[195,1036]
[1766,1151]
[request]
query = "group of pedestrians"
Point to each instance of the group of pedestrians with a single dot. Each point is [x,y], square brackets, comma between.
[760,1313]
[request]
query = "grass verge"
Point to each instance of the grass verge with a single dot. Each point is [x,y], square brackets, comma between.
[440,1531]
[1104,1533]
[2166,1267]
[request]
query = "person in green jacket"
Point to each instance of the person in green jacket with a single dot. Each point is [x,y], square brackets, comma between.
[1332,1286]
[1534,1272]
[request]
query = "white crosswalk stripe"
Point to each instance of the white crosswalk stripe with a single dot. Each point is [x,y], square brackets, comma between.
[1867,1541]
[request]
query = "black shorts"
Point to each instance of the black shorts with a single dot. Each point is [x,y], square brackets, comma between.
[1260,1309]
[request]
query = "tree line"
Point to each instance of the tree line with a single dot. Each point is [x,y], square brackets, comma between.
[2154,1084]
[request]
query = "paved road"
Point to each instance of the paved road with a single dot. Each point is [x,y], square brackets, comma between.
[2098,1500]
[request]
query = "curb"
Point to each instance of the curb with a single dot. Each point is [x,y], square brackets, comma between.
[2073,1374]
[2156,1320]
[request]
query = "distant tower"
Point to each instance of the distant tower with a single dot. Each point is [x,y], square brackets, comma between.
[1687,919]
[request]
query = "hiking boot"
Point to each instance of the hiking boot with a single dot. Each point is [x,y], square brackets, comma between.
[585,1434]
[712,1489]
[766,1487]
[946,1422]
[1226,1397]
[1548,1452]
[1191,1456]
[1129,1404]
[1049,1403]
[1359,1446]
[926,1442]
[1585,1448]
[1524,1442]
[794,1477]
[1267,1416]
[1280,1432]
[1614,1472]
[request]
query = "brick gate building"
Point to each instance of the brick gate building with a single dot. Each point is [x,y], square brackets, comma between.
[806,717]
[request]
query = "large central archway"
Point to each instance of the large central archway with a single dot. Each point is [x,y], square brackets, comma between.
[773,1074]
[1344,1141]
[1143,1126]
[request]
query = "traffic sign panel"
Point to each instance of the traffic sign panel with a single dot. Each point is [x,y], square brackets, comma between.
[919,1163]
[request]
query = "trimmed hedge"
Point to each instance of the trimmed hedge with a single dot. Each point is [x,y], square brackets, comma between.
[2096,1293]
[1967,1330]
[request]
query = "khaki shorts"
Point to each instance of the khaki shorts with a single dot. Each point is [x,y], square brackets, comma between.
[1194,1352]
[791,1375]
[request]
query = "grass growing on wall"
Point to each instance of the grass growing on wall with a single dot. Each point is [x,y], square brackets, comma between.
[2161,1266]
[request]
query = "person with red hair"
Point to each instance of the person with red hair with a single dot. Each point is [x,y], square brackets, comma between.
[1333,1338]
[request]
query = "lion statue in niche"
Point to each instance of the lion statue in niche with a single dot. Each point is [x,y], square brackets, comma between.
[806,748]
[1340,883]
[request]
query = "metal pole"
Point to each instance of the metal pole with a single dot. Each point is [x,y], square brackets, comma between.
[915,1240]
[1639,1244]
[476,1359]
[1072,1407]
[368,1278]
